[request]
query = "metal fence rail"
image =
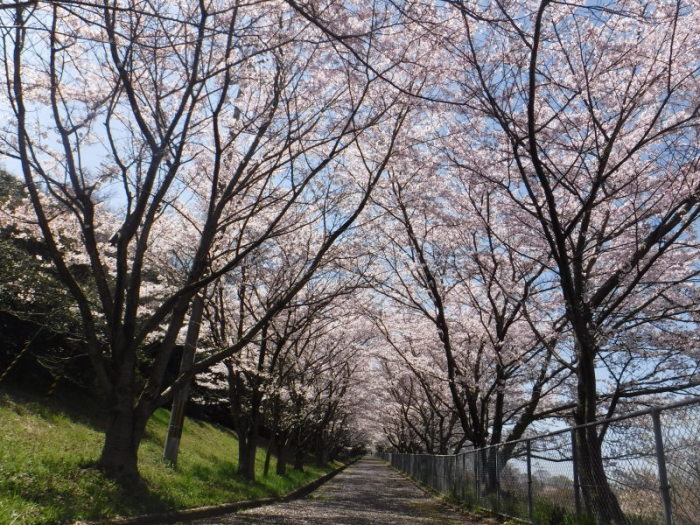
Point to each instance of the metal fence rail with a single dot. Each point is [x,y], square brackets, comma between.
[650,458]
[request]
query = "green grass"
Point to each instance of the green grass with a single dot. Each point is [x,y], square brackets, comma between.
[47,453]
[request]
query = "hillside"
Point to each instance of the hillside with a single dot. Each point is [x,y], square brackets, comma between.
[47,451]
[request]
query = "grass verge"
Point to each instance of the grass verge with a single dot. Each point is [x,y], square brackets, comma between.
[47,453]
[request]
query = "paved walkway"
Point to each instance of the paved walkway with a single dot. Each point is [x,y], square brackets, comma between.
[367,492]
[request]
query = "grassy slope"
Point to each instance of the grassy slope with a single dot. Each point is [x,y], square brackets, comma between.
[46,474]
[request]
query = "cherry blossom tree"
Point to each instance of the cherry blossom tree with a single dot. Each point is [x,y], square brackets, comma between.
[417,412]
[584,115]
[532,169]
[325,371]
[161,131]
[470,298]
[257,372]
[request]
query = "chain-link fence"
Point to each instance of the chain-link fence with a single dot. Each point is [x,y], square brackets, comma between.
[643,468]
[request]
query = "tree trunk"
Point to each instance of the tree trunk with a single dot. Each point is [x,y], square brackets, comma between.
[332,454]
[299,459]
[492,468]
[247,449]
[268,455]
[281,468]
[280,440]
[119,457]
[245,424]
[599,499]
[321,456]
[252,436]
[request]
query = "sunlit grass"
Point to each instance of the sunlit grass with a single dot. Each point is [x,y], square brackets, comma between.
[47,473]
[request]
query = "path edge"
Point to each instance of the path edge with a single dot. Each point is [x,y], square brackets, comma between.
[484,515]
[222,508]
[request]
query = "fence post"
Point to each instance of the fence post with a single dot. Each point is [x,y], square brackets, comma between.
[529,479]
[435,473]
[427,469]
[464,477]
[442,473]
[455,477]
[476,475]
[577,487]
[664,486]
[496,464]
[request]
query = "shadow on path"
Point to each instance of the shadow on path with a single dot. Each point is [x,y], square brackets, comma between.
[368,492]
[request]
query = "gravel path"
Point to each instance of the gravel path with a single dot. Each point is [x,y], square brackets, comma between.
[367,492]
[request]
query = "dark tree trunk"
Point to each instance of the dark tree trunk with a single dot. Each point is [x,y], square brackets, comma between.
[126,424]
[333,454]
[281,461]
[492,468]
[321,456]
[268,456]
[280,439]
[319,449]
[299,459]
[247,449]
[119,457]
[599,499]
[245,421]
[248,441]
